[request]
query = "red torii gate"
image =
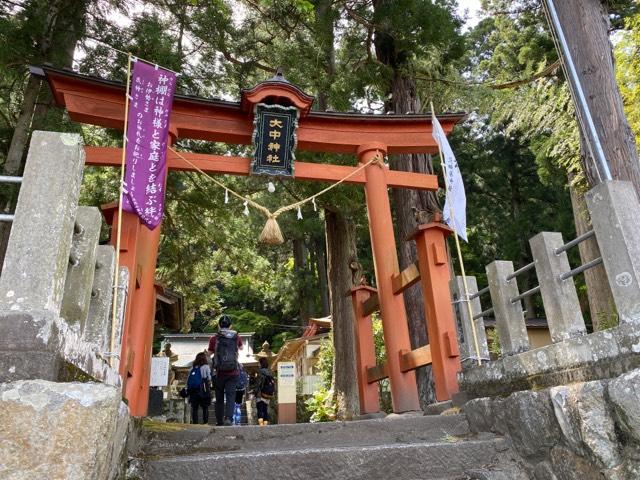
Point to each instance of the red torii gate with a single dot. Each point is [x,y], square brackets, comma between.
[100,102]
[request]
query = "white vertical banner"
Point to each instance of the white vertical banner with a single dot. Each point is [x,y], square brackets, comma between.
[455,206]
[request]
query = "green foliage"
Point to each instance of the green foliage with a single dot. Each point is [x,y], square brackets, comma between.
[494,343]
[325,363]
[378,338]
[627,54]
[322,406]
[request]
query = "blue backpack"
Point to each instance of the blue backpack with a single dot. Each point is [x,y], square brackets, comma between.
[195,378]
[243,379]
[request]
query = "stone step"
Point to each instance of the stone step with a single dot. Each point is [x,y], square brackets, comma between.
[177,439]
[397,461]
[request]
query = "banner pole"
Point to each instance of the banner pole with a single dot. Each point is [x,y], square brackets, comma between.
[459,251]
[119,228]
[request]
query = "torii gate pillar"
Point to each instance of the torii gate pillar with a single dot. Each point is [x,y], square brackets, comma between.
[404,392]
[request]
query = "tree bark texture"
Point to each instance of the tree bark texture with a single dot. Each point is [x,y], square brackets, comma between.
[341,247]
[586,28]
[402,89]
[601,305]
[300,268]
[321,269]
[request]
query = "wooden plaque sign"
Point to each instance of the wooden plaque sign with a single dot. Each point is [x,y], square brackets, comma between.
[274,139]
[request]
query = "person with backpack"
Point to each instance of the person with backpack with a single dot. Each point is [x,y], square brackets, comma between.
[243,380]
[199,388]
[265,388]
[224,346]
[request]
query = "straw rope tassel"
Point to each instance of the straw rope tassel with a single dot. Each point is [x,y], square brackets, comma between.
[271,233]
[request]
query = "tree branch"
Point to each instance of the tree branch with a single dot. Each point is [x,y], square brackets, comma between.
[498,86]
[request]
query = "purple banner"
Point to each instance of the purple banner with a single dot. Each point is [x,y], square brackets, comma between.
[147,133]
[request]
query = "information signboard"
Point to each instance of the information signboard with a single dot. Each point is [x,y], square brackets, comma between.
[159,372]
[286,382]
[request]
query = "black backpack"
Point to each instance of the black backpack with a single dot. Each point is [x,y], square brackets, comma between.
[226,356]
[268,387]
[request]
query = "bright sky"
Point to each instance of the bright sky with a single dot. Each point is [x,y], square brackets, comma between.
[471,7]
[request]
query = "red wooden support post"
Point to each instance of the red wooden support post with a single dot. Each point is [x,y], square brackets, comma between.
[404,391]
[435,275]
[138,252]
[365,351]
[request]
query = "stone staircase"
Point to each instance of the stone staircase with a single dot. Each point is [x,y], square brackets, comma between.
[397,447]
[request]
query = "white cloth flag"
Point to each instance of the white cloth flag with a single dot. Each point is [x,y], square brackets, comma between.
[456,198]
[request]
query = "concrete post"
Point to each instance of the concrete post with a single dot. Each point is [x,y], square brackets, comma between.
[615,215]
[82,266]
[560,298]
[35,266]
[123,294]
[465,331]
[98,327]
[512,330]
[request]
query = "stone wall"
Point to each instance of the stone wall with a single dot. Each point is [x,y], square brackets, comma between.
[583,431]
[600,355]
[62,431]
[56,326]
[56,281]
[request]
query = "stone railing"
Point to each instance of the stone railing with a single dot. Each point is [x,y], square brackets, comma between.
[56,282]
[573,355]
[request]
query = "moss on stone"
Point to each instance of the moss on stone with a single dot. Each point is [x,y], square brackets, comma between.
[154,426]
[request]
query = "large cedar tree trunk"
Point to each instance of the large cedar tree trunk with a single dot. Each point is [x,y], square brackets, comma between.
[341,247]
[321,269]
[300,270]
[586,28]
[340,244]
[404,100]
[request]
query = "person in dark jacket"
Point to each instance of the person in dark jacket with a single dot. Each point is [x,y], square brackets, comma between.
[224,346]
[263,394]
[200,396]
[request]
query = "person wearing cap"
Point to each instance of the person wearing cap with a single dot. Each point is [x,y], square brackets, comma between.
[224,346]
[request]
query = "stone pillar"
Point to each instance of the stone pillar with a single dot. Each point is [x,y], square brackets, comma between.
[365,351]
[465,330]
[512,330]
[35,267]
[615,215]
[97,329]
[82,266]
[404,391]
[560,298]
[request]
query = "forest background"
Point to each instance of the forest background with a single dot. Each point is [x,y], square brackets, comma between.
[519,149]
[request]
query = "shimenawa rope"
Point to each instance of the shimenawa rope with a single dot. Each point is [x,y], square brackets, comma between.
[271,233]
